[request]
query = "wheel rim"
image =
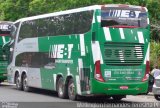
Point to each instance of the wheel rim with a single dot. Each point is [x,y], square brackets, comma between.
[25,83]
[17,81]
[60,88]
[71,89]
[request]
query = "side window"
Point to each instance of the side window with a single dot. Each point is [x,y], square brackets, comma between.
[28,29]
[56,25]
[35,60]
[83,21]
[42,27]
[74,23]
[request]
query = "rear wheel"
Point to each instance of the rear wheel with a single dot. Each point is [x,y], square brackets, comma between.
[25,83]
[61,88]
[71,90]
[157,97]
[18,82]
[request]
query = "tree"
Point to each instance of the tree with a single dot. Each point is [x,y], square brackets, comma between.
[13,9]
[155,53]
[41,6]
[154,12]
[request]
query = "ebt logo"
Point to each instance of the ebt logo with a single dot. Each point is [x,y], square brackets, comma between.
[59,50]
[124,13]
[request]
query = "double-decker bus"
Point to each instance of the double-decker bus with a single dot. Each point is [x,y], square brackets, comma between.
[5,28]
[95,50]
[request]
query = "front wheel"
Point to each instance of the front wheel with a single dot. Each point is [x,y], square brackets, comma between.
[157,97]
[18,82]
[71,90]
[25,84]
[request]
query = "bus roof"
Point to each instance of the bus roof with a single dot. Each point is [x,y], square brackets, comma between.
[75,10]
[60,13]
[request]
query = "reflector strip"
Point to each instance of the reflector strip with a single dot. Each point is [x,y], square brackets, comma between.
[107,33]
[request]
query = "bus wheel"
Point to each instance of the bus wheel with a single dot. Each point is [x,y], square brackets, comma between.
[61,88]
[25,83]
[18,82]
[117,98]
[157,97]
[71,90]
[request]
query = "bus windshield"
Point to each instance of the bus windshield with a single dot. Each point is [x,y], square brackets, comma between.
[123,17]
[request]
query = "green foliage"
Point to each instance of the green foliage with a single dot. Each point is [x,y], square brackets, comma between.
[154,10]
[155,53]
[14,9]
[41,6]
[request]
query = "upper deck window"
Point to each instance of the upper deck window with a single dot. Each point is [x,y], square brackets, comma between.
[61,25]
[123,17]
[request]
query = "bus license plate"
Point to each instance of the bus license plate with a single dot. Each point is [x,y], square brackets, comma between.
[123,87]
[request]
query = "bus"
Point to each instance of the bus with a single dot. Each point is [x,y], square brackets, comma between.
[5,28]
[99,50]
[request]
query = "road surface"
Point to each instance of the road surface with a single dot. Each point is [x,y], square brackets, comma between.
[10,96]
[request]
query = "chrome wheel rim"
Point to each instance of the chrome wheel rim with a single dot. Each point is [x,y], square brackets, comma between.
[25,83]
[17,81]
[71,89]
[60,88]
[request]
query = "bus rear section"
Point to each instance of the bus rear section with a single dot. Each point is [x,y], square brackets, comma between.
[4,48]
[121,51]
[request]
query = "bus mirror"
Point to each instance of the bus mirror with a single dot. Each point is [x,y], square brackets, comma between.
[11,49]
[13,29]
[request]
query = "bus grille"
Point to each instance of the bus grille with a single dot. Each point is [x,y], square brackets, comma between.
[123,53]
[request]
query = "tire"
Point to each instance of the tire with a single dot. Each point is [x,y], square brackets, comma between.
[26,88]
[117,98]
[157,97]
[18,82]
[61,88]
[72,90]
